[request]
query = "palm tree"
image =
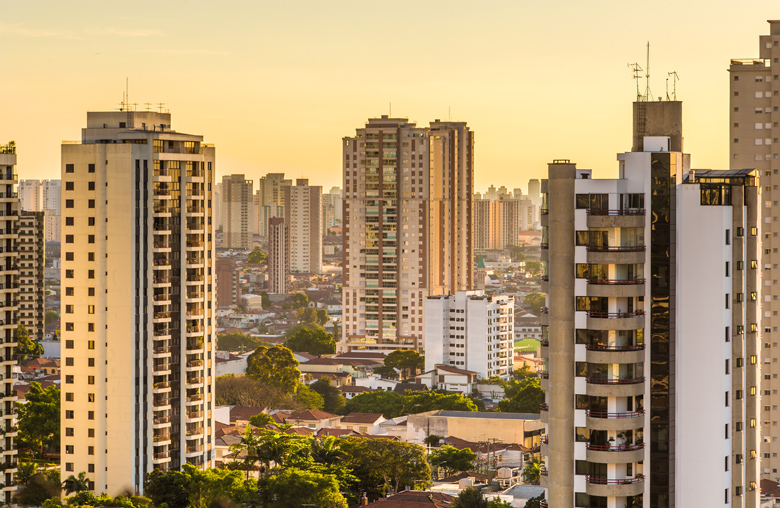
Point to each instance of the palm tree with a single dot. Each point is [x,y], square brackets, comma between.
[532,471]
[25,471]
[326,451]
[76,484]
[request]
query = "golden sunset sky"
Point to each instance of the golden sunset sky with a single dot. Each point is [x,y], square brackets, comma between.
[275,85]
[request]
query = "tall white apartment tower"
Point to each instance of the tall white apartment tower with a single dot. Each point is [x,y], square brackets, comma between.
[754,99]
[407,227]
[236,212]
[9,295]
[303,218]
[137,300]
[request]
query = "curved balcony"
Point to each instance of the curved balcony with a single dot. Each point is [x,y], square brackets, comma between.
[620,454]
[193,416]
[598,353]
[194,450]
[161,457]
[604,218]
[600,420]
[195,381]
[161,387]
[193,365]
[617,487]
[616,288]
[543,412]
[161,317]
[598,320]
[161,421]
[615,387]
[543,477]
[615,255]
[194,399]
[162,246]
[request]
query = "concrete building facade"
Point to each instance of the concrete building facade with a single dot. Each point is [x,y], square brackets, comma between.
[43,195]
[651,342]
[236,211]
[269,200]
[303,218]
[32,280]
[498,222]
[407,227]
[138,300]
[470,331]
[278,256]
[228,283]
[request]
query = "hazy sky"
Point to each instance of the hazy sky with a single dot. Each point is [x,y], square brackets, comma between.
[276,84]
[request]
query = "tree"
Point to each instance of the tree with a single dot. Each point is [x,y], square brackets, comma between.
[419,402]
[407,361]
[299,300]
[451,460]
[522,373]
[533,303]
[309,398]
[532,471]
[39,419]
[235,390]
[274,366]
[523,396]
[310,338]
[237,342]
[470,497]
[322,316]
[386,372]
[295,487]
[533,267]
[516,253]
[497,503]
[334,400]
[25,472]
[167,488]
[261,420]
[306,315]
[27,347]
[257,257]
[266,299]
[535,502]
[390,404]
[384,466]
[210,487]
[326,451]
[76,483]
[432,440]
[51,316]
[39,488]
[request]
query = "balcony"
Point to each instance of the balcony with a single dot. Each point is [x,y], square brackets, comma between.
[615,387]
[195,380]
[543,412]
[620,454]
[599,320]
[613,487]
[616,288]
[601,420]
[616,254]
[628,218]
[605,353]
[161,387]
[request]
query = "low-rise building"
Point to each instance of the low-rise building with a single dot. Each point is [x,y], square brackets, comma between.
[452,379]
[313,419]
[365,423]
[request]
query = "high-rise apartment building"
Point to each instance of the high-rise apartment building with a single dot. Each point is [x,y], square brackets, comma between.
[269,200]
[303,217]
[753,137]
[651,342]
[43,195]
[278,256]
[236,212]
[32,279]
[331,209]
[498,222]
[228,283]
[217,205]
[407,227]
[471,331]
[137,300]
[9,293]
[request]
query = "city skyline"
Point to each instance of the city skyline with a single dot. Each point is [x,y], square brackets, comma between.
[267,66]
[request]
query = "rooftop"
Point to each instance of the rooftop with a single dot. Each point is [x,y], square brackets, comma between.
[486,415]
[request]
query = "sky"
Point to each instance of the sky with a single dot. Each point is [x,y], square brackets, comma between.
[276,85]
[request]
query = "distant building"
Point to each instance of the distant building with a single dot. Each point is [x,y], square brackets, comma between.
[228,283]
[32,281]
[498,222]
[470,331]
[236,208]
[303,217]
[278,256]
[43,196]
[269,200]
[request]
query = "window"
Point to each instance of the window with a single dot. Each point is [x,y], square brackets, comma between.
[727,366]
[727,429]
[69,168]
[726,398]
[69,186]
[69,397]
[91,186]
[728,237]
[90,309]
[68,203]
[726,463]
[91,275]
[68,238]
[728,298]
[90,415]
[91,203]
[90,344]
[69,361]
[68,344]
[91,221]
[69,327]
[68,221]
[91,168]
[69,379]
[69,292]
[727,269]
[90,397]
[68,256]
[91,256]
[91,239]
[740,231]
[69,309]
[69,431]
[68,274]
[753,231]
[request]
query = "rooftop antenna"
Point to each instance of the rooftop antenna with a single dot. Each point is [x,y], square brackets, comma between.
[148,106]
[160,106]
[450,112]
[637,74]
[675,79]
[647,74]
[391,109]
[127,92]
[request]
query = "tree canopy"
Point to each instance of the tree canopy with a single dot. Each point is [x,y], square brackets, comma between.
[333,399]
[51,316]
[407,361]
[39,419]
[274,366]
[533,303]
[257,257]
[523,396]
[235,390]
[27,347]
[533,267]
[450,460]
[237,341]
[392,404]
[310,338]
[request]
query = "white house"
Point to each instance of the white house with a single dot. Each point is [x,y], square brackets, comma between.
[452,379]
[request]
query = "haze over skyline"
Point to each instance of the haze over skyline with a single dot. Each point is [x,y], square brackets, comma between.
[534,82]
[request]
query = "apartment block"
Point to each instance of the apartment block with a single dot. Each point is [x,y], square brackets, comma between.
[332,213]
[236,211]
[754,99]
[278,256]
[32,280]
[470,331]
[651,336]
[228,283]
[407,227]
[499,221]
[303,217]
[269,200]
[138,302]
[43,195]
[9,296]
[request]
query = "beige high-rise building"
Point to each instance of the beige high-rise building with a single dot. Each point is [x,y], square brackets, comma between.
[278,256]
[32,280]
[269,200]
[236,212]
[43,195]
[754,93]
[137,300]
[9,293]
[303,217]
[407,227]
[498,222]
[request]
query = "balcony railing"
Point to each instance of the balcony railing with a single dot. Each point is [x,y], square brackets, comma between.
[627,211]
[599,480]
[615,448]
[615,315]
[544,407]
[616,282]
[616,381]
[615,248]
[608,347]
[614,416]
[544,375]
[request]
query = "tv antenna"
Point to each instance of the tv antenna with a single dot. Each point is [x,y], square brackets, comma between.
[160,106]
[648,97]
[675,79]
[636,70]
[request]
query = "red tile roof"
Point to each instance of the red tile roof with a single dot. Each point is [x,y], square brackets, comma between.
[244,413]
[368,418]
[414,499]
[311,415]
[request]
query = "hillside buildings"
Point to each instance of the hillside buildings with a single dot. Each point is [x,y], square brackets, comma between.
[753,141]
[303,218]
[236,209]
[407,227]
[278,256]
[32,280]
[470,331]
[652,341]
[138,300]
